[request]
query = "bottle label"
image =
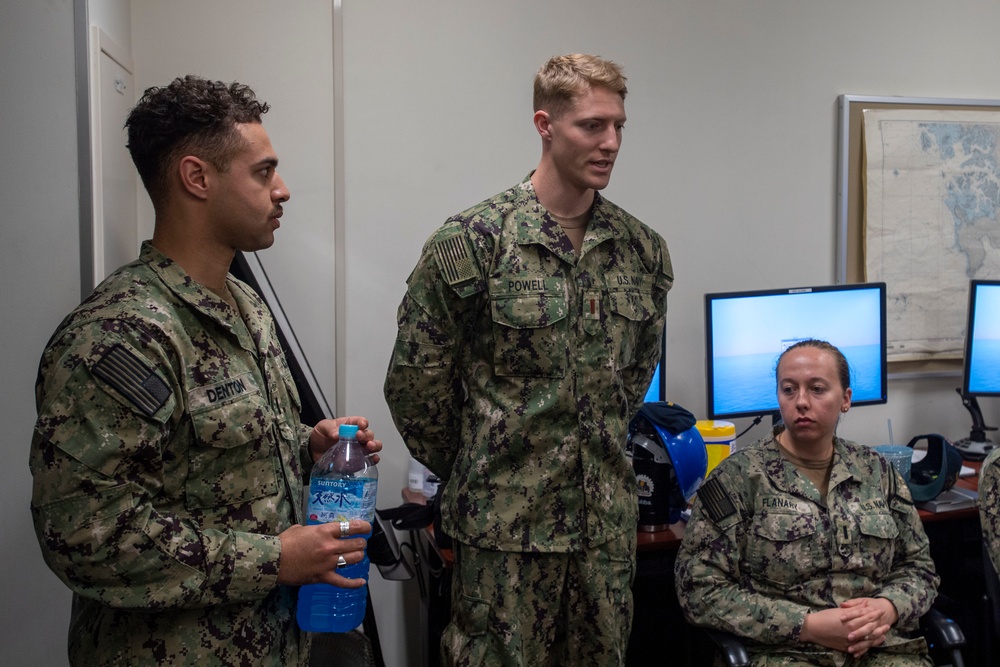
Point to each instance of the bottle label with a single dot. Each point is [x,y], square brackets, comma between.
[338,499]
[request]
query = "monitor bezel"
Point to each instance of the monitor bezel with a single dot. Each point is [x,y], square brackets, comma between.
[712,297]
[970,320]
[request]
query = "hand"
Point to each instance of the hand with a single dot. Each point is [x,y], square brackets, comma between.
[309,554]
[854,627]
[325,436]
[865,630]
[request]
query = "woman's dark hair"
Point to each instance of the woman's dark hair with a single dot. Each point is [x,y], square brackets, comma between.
[189,116]
[843,368]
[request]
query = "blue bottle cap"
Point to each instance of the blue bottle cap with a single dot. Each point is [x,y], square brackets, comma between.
[347,431]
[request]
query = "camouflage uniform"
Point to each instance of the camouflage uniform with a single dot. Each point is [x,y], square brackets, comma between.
[762,550]
[517,366]
[989,507]
[167,456]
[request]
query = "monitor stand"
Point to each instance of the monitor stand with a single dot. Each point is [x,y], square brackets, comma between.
[977,445]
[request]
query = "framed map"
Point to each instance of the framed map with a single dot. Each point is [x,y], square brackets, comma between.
[918,203]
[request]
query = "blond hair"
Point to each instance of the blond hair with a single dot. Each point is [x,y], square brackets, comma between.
[564,78]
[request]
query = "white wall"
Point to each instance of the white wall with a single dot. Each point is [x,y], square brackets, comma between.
[730,152]
[40,272]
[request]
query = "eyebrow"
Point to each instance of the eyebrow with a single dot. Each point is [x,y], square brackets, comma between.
[267,162]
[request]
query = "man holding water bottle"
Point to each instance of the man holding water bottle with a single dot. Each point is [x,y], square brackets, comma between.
[168,456]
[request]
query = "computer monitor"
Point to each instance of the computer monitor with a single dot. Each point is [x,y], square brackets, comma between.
[746,332]
[981,369]
[657,390]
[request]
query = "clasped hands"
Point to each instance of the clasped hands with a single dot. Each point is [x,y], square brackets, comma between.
[854,627]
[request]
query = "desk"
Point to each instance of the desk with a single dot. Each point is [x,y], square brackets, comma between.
[955,539]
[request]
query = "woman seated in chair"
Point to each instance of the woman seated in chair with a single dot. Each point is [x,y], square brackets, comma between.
[805,544]
[989,506]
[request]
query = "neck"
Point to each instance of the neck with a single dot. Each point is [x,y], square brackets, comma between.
[207,263]
[818,451]
[559,198]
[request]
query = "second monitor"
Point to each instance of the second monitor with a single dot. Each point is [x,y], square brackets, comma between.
[746,332]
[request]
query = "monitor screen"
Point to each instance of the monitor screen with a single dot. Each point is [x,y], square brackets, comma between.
[746,332]
[981,376]
[657,390]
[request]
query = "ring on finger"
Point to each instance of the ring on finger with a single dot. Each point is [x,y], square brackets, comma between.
[345,528]
[341,561]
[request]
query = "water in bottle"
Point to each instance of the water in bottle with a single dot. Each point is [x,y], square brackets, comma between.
[342,487]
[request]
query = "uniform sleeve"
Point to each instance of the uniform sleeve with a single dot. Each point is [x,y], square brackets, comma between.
[101,468]
[912,582]
[637,377]
[989,505]
[423,386]
[709,580]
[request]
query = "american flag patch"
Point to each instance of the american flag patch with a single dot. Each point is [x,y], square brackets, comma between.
[454,257]
[133,379]
[716,500]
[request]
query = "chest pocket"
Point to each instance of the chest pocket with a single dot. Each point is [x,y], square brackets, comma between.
[875,547]
[529,326]
[782,547]
[232,459]
[631,306]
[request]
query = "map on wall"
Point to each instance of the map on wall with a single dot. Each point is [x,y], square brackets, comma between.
[932,195]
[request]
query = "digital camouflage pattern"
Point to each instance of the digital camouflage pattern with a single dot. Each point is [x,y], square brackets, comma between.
[989,505]
[501,602]
[517,366]
[167,456]
[762,550]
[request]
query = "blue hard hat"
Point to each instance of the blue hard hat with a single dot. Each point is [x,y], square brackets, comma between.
[673,428]
[688,456]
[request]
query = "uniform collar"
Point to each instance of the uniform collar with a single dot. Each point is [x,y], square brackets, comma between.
[536,226]
[782,471]
[198,296]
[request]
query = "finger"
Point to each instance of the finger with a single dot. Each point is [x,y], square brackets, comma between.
[343,582]
[854,602]
[866,630]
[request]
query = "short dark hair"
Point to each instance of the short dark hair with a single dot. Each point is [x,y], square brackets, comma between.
[839,360]
[189,116]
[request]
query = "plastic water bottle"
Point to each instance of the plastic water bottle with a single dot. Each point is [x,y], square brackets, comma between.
[342,487]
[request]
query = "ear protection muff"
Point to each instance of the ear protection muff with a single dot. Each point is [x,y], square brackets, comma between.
[937,471]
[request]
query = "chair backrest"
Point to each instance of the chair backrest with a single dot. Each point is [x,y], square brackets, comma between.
[992,594]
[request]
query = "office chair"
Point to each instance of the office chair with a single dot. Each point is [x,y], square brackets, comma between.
[944,638]
[991,610]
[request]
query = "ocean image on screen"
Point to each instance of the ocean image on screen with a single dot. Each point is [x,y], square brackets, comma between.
[749,331]
[984,358]
[984,369]
[747,382]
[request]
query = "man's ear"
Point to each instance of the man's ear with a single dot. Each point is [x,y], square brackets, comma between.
[543,124]
[193,173]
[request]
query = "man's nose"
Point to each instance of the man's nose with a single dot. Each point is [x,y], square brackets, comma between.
[280,192]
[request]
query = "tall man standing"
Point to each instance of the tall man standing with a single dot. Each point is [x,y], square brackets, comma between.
[168,456]
[528,335]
